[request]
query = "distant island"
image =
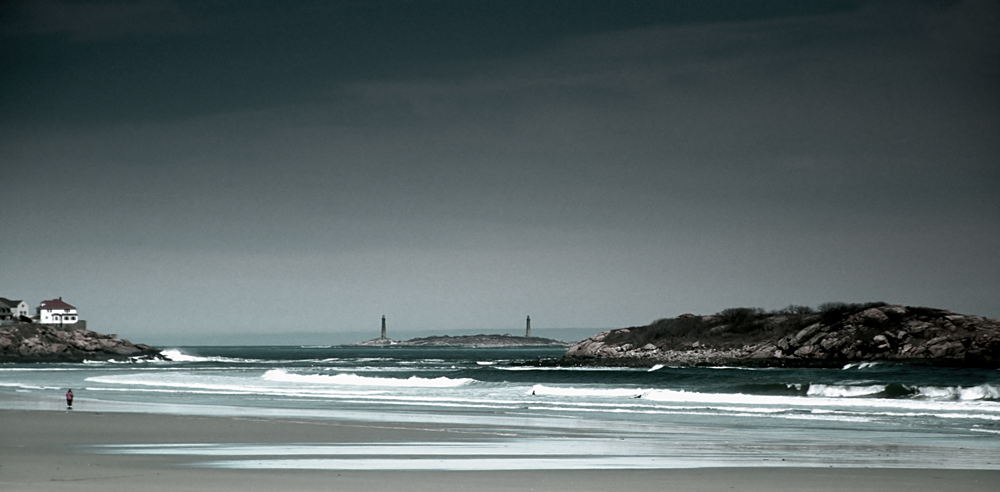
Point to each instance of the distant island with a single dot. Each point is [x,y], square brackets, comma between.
[833,335]
[470,341]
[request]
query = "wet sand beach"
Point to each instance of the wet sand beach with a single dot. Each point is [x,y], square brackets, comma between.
[59,450]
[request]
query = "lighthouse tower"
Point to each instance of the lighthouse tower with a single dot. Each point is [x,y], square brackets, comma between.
[527,328]
[383,327]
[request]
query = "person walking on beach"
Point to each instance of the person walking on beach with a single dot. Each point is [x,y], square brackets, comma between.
[69,399]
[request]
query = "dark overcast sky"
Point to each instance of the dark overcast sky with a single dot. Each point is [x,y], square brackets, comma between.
[238,166]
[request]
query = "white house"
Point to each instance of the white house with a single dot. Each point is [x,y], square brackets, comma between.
[56,312]
[13,309]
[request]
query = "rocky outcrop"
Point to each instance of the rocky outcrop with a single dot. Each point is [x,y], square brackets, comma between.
[472,341]
[375,342]
[30,342]
[838,335]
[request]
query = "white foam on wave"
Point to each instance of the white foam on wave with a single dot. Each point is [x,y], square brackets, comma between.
[540,389]
[257,391]
[895,404]
[677,396]
[175,355]
[38,369]
[841,391]
[571,369]
[29,386]
[655,368]
[749,412]
[857,409]
[173,380]
[356,369]
[450,464]
[214,385]
[861,365]
[127,360]
[981,392]
[355,380]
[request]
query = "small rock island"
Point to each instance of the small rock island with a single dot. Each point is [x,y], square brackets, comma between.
[470,341]
[833,335]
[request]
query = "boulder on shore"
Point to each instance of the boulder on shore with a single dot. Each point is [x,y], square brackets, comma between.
[837,335]
[31,342]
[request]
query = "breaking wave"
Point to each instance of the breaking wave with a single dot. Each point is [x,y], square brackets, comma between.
[893,390]
[786,393]
[355,380]
[842,391]
[175,355]
[981,392]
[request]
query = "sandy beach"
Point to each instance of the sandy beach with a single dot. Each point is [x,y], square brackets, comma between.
[53,450]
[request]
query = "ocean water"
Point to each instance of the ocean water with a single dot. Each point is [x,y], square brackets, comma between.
[862,415]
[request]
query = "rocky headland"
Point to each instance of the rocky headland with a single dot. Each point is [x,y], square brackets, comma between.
[470,341]
[32,342]
[833,335]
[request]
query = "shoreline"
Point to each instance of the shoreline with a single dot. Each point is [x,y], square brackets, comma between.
[68,450]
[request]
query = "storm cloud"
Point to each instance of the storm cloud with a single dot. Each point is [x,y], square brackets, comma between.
[456,166]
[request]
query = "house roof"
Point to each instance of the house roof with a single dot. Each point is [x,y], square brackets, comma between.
[10,303]
[55,304]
